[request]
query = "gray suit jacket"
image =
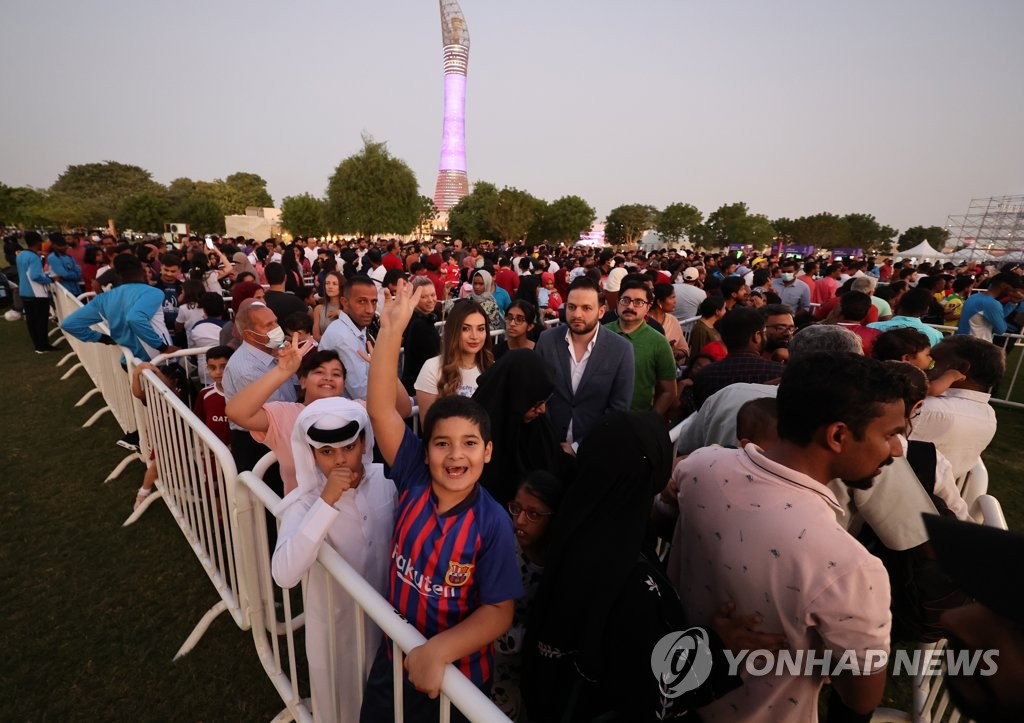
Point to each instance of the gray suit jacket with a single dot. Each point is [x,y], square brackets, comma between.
[607,383]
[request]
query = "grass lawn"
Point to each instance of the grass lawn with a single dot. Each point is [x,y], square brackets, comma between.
[93,614]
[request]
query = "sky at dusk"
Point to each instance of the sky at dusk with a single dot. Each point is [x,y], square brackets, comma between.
[905,110]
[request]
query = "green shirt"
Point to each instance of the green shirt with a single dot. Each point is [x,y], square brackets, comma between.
[653,359]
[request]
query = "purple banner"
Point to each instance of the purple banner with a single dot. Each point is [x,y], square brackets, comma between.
[453,137]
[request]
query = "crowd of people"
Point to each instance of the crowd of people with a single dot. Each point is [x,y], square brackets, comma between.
[823,414]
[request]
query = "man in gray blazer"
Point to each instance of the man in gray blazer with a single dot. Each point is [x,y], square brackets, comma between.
[593,367]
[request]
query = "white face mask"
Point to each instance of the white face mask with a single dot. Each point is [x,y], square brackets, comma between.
[786,277]
[275,338]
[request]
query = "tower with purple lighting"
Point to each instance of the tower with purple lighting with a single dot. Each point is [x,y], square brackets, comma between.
[452,182]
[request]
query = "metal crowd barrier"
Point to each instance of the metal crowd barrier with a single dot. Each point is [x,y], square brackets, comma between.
[274,626]
[197,480]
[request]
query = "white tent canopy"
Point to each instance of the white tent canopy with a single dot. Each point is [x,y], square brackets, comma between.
[922,251]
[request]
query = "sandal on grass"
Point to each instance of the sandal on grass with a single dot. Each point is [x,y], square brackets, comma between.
[141,496]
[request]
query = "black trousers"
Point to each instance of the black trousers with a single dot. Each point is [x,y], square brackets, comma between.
[37,315]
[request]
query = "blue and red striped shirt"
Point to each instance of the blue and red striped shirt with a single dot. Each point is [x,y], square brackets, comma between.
[445,566]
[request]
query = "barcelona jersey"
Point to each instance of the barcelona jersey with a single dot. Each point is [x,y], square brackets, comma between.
[445,566]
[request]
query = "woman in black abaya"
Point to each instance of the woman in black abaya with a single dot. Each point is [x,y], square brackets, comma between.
[514,392]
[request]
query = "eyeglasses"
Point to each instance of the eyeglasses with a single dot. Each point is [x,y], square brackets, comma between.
[515,508]
[635,303]
[782,327]
[515,319]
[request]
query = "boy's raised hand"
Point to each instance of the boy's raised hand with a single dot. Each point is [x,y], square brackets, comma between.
[289,358]
[399,310]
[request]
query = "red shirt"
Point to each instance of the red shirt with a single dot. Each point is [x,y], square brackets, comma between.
[450,274]
[210,407]
[867,335]
[391,261]
[508,280]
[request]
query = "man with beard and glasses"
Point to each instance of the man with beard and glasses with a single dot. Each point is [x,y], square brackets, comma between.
[779,329]
[593,368]
[743,332]
[758,527]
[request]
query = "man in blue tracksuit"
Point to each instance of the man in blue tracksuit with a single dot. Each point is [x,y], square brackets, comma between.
[64,269]
[132,311]
[34,287]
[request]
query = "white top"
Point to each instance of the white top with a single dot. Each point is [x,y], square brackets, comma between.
[765,537]
[960,423]
[715,421]
[358,527]
[430,374]
[188,315]
[211,280]
[576,368]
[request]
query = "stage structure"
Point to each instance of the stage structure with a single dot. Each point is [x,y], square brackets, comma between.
[452,182]
[993,225]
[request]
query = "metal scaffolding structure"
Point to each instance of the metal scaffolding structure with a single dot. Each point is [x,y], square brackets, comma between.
[993,224]
[452,181]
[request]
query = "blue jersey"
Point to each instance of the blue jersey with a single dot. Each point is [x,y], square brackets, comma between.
[445,566]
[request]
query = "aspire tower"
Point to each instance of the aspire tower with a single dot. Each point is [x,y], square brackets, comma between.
[452,182]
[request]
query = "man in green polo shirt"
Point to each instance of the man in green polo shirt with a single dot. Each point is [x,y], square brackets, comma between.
[655,366]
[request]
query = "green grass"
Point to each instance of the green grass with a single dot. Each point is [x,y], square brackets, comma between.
[92,613]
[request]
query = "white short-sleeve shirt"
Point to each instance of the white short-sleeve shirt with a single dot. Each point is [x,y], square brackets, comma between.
[430,375]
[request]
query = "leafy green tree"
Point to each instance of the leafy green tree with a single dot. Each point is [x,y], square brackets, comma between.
[372,193]
[428,212]
[784,229]
[304,215]
[936,236]
[824,230]
[90,193]
[625,225]
[732,223]
[22,206]
[467,219]
[677,221]
[513,214]
[564,219]
[146,212]
[201,213]
[866,233]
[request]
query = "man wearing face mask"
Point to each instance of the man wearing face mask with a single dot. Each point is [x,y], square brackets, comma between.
[262,340]
[796,296]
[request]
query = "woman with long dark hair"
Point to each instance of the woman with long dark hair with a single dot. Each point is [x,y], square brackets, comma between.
[329,307]
[466,353]
[521,328]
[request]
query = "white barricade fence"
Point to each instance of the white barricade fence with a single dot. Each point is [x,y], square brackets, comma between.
[282,652]
[1003,395]
[687,325]
[197,480]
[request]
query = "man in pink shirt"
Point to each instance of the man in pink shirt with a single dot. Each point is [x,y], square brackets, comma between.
[758,527]
[825,288]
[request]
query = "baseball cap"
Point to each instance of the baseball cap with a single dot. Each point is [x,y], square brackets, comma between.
[691,274]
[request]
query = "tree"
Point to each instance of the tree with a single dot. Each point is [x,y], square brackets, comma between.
[22,206]
[372,193]
[936,236]
[732,224]
[625,225]
[866,233]
[784,229]
[566,218]
[513,214]
[677,221]
[823,230]
[304,215]
[90,193]
[467,219]
[201,213]
[145,212]
[428,212]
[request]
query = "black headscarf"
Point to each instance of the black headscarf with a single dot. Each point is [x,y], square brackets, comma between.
[597,535]
[517,382]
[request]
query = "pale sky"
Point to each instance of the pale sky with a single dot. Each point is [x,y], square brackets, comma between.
[903,109]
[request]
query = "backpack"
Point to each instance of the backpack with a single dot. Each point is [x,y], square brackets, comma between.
[921,591]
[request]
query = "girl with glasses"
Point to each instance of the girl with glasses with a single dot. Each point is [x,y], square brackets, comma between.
[520,326]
